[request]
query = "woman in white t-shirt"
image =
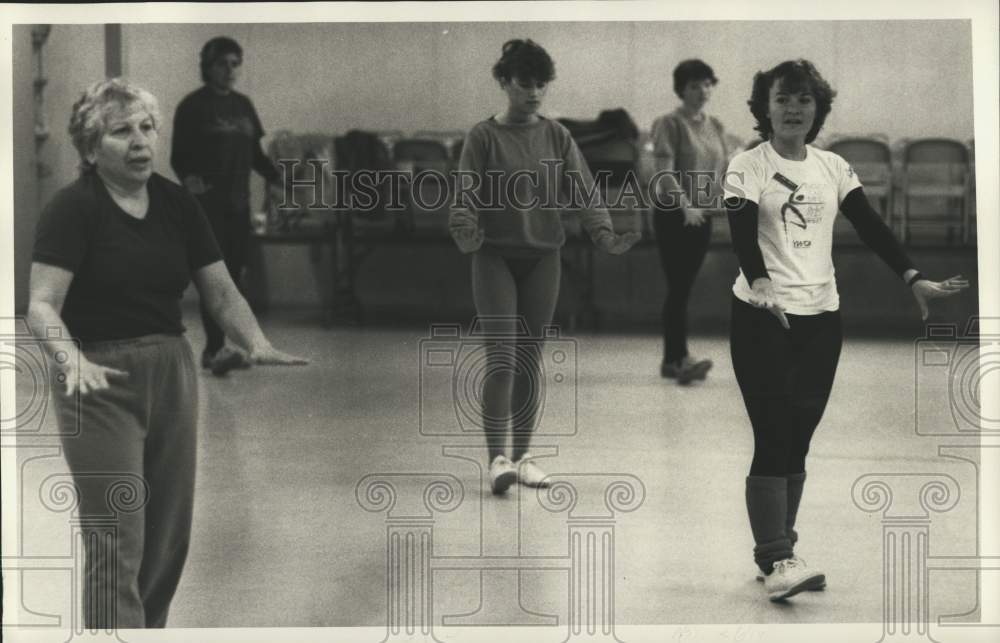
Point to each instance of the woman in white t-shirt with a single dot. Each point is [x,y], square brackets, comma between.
[782,197]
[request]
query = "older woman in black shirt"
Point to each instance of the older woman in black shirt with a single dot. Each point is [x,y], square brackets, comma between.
[114,252]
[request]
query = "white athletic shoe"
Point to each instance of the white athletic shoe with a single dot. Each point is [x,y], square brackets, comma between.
[502,474]
[789,577]
[820,587]
[529,474]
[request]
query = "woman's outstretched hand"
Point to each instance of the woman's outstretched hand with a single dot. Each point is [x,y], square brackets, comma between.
[617,244]
[469,239]
[694,217]
[925,290]
[762,295]
[271,355]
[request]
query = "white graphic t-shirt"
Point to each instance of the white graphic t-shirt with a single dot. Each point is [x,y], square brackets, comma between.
[797,203]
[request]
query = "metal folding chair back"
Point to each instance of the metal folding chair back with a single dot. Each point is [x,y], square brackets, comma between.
[871,158]
[428,193]
[936,187]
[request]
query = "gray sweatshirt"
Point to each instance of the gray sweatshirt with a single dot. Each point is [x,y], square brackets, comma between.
[524,172]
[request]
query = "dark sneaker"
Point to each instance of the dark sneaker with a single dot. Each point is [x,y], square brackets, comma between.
[670,370]
[226,360]
[686,370]
[694,370]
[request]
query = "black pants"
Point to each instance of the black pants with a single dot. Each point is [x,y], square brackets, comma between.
[682,251]
[785,377]
[232,232]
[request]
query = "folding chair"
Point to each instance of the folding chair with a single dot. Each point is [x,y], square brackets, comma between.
[389,137]
[456,150]
[447,136]
[936,171]
[312,152]
[871,159]
[428,162]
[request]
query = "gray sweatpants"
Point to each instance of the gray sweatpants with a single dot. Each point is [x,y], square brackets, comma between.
[133,463]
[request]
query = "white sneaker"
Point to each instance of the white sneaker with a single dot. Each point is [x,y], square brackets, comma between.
[760,576]
[529,474]
[502,474]
[789,577]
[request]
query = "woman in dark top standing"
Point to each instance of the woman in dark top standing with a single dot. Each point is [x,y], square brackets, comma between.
[690,145]
[216,144]
[782,197]
[114,252]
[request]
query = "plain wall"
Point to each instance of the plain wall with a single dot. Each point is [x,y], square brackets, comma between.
[334,77]
[25,164]
[72,57]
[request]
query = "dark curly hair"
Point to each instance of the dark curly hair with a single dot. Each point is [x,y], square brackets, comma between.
[693,70]
[795,76]
[217,48]
[524,59]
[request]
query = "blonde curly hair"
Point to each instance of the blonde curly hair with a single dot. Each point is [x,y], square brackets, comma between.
[89,119]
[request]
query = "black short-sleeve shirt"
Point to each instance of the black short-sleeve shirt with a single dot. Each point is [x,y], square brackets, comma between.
[128,274]
[215,137]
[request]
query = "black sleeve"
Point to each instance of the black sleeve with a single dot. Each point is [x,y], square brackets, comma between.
[63,231]
[874,232]
[184,140]
[261,162]
[202,247]
[743,227]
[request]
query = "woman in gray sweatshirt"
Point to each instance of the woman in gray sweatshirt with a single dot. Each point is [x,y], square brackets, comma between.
[518,172]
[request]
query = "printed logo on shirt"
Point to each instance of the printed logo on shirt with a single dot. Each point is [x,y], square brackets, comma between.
[241,126]
[804,205]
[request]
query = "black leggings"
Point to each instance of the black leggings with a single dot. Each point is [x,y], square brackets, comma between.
[785,377]
[232,233]
[682,251]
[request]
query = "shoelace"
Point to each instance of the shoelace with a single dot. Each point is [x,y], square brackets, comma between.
[787,564]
